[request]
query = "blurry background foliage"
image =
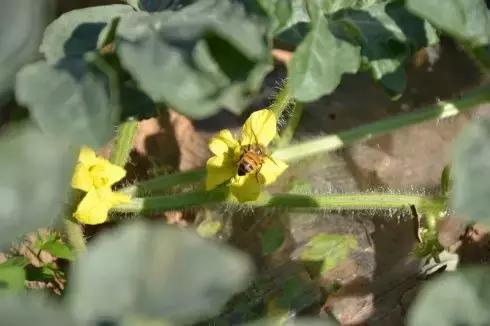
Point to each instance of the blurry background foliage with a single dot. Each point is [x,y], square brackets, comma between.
[100,66]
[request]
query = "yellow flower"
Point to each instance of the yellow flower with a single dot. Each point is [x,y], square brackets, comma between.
[95,172]
[94,207]
[260,128]
[95,176]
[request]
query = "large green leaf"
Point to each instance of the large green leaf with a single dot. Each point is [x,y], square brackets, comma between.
[471,172]
[201,58]
[156,271]
[32,310]
[330,249]
[285,15]
[73,104]
[34,179]
[468,20]
[320,61]
[21,26]
[79,31]
[388,35]
[457,298]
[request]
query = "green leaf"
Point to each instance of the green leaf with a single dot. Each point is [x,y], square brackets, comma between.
[331,249]
[28,19]
[59,249]
[197,60]
[388,35]
[471,172]
[74,104]
[285,15]
[12,278]
[32,310]
[320,61]
[271,239]
[34,180]
[446,180]
[157,5]
[156,271]
[456,298]
[467,20]
[44,273]
[332,6]
[79,31]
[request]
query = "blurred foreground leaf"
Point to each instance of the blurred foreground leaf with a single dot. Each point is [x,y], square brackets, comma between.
[330,249]
[79,31]
[74,104]
[156,271]
[199,59]
[21,25]
[34,180]
[467,20]
[32,310]
[456,298]
[471,172]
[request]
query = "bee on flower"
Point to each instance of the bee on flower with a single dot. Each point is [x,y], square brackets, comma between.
[244,164]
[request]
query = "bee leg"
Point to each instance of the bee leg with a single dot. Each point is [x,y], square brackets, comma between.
[257,174]
[270,158]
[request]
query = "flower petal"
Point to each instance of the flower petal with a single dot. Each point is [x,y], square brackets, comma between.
[219,169]
[245,188]
[82,179]
[94,208]
[271,169]
[106,174]
[87,156]
[260,128]
[223,142]
[117,198]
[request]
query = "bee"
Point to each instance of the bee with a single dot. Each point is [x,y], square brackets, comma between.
[251,159]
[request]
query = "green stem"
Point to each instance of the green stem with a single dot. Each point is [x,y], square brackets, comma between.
[124,142]
[172,202]
[323,202]
[282,100]
[293,122]
[164,182]
[328,143]
[75,236]
[332,142]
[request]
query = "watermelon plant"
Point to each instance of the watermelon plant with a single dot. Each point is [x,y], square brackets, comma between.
[104,68]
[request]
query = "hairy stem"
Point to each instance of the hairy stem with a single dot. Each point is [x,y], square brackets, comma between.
[164,182]
[124,142]
[75,236]
[328,143]
[292,124]
[282,100]
[322,202]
